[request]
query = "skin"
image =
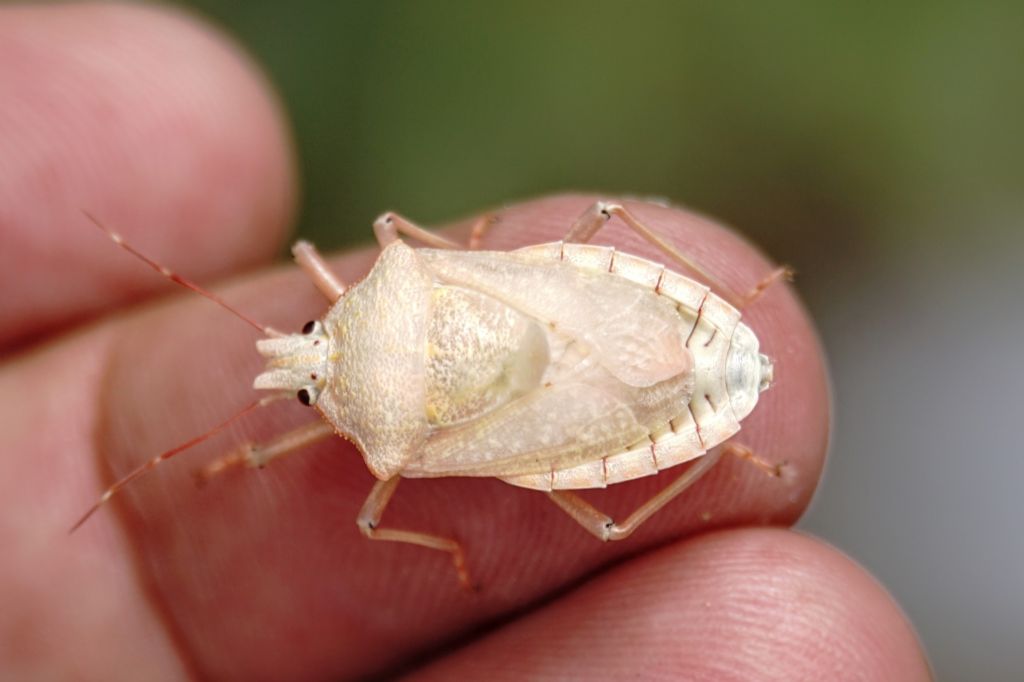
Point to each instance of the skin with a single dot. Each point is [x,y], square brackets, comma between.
[263,575]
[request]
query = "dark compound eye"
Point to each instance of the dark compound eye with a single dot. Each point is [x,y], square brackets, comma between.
[309,327]
[304,397]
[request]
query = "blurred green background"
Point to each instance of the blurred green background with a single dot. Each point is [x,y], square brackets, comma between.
[854,128]
[876,146]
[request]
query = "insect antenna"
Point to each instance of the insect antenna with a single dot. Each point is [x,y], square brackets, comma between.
[176,278]
[148,466]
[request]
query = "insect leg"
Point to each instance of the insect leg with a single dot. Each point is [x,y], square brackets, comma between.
[747,455]
[782,273]
[598,215]
[605,528]
[369,520]
[259,455]
[313,264]
[390,225]
[479,228]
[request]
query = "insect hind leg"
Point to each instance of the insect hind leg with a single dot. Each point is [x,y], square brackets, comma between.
[783,273]
[604,528]
[747,455]
[598,215]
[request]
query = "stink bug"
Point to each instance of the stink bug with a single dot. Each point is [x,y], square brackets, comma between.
[554,367]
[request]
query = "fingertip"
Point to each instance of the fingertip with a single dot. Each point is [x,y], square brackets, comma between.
[154,123]
[744,604]
[805,609]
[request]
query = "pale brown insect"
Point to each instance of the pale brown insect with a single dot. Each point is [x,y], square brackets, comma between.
[554,367]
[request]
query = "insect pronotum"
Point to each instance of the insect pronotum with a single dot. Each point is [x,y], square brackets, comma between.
[555,367]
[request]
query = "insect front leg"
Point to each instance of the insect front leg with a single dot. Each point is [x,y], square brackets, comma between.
[369,523]
[598,215]
[314,265]
[604,528]
[259,455]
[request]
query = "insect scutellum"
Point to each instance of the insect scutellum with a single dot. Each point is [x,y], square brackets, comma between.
[296,363]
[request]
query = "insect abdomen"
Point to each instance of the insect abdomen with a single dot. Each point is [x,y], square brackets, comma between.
[709,418]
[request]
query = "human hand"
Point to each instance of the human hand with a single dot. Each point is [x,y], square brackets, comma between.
[169,137]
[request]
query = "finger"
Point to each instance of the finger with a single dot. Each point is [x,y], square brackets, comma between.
[152,123]
[270,543]
[734,605]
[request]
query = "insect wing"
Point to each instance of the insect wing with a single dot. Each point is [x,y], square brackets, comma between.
[618,368]
[637,335]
